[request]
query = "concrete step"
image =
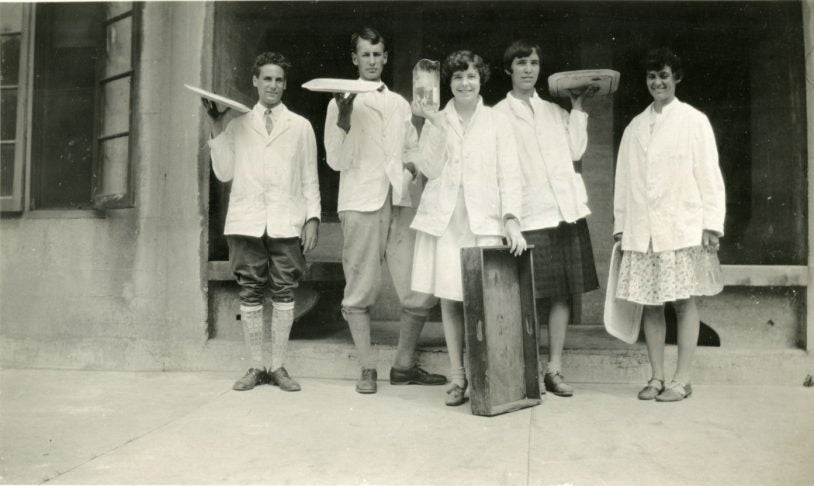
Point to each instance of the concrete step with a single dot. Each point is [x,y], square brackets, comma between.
[591,356]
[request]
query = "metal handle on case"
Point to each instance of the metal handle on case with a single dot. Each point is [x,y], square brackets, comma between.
[479,331]
[529,330]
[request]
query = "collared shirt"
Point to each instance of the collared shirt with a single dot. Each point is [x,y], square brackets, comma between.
[549,140]
[275,187]
[481,160]
[669,187]
[371,155]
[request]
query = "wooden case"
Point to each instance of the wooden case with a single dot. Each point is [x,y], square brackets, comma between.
[501,330]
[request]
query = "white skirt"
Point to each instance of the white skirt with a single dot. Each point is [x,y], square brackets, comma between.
[437,260]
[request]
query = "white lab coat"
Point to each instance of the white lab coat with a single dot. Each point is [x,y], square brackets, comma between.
[371,155]
[483,161]
[275,187]
[669,187]
[549,140]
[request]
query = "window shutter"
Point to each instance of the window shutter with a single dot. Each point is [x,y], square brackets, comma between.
[116,88]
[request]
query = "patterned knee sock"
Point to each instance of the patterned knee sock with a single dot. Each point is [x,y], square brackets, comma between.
[252,320]
[282,318]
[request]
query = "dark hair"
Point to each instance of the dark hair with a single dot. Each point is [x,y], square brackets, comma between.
[271,58]
[519,48]
[460,61]
[657,58]
[369,34]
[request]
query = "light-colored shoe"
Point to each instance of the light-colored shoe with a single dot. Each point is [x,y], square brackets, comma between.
[652,389]
[456,395]
[675,392]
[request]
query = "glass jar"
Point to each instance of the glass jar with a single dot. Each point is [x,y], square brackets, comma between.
[427,83]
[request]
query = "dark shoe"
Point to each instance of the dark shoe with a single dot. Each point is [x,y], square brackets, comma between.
[367,383]
[251,379]
[555,383]
[652,389]
[280,378]
[456,395]
[675,392]
[415,376]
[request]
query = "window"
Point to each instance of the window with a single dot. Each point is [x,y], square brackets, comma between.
[12,105]
[67,145]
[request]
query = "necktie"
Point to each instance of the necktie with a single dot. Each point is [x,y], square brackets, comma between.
[269,121]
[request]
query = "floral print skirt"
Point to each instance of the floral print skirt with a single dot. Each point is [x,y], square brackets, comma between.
[654,278]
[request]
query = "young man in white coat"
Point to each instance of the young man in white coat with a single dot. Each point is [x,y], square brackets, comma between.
[269,154]
[366,141]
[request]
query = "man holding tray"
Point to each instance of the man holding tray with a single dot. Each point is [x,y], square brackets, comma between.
[366,141]
[269,154]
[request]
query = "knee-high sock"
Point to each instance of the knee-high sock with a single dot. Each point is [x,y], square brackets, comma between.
[282,318]
[409,330]
[252,320]
[359,324]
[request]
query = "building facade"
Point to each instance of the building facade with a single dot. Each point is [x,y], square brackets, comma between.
[111,247]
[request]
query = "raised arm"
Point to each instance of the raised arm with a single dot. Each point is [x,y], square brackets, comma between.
[340,141]
[222,145]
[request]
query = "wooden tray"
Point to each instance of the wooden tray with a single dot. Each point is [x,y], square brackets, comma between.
[501,330]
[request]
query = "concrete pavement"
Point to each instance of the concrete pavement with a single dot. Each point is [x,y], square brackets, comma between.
[97,427]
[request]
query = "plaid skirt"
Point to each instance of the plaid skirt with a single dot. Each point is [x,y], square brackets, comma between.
[563,260]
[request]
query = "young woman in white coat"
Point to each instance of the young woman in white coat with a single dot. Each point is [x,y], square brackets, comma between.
[472,198]
[555,203]
[669,208]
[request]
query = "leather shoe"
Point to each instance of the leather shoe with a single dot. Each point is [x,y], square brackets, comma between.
[555,383]
[251,379]
[367,382]
[456,395]
[652,389]
[415,376]
[280,378]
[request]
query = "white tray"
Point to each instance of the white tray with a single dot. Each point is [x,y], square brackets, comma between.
[219,99]
[606,79]
[333,85]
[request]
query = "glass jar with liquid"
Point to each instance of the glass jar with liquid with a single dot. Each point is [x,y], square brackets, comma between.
[427,82]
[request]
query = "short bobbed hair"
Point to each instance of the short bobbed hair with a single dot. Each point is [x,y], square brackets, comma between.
[271,58]
[369,34]
[460,61]
[660,57]
[519,48]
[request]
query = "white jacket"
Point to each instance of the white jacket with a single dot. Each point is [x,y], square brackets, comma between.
[549,140]
[371,155]
[483,161]
[669,186]
[274,176]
